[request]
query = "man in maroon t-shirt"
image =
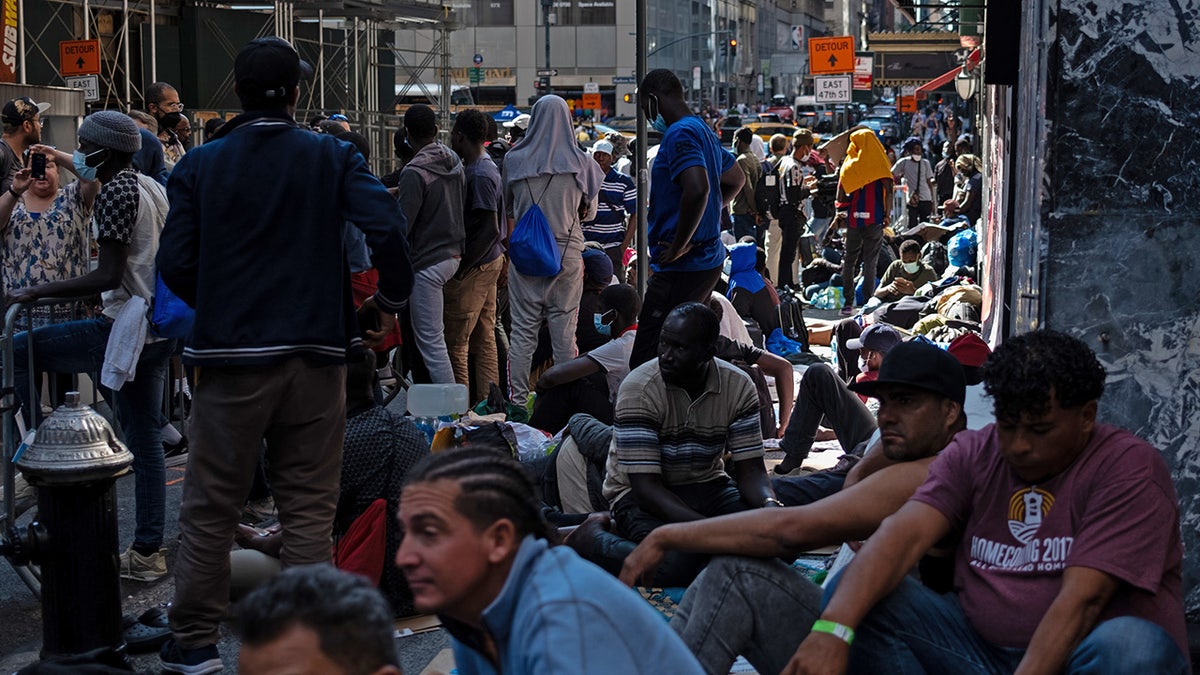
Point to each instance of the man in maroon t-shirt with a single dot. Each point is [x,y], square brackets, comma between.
[1069,553]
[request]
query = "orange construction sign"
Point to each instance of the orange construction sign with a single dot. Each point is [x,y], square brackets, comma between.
[591,101]
[831,55]
[79,57]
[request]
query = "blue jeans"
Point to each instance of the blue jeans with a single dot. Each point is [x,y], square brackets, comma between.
[78,347]
[915,630]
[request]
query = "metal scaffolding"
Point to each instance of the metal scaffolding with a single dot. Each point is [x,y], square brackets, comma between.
[353,32]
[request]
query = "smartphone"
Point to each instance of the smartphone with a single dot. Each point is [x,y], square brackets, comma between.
[368,319]
[37,166]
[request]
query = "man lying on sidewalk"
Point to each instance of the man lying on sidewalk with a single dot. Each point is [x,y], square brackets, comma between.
[760,607]
[1069,553]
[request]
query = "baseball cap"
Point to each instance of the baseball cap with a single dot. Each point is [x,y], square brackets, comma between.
[520,121]
[878,337]
[920,365]
[266,70]
[597,266]
[603,146]
[21,110]
[970,350]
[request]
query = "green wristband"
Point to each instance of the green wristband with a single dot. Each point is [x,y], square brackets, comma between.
[846,633]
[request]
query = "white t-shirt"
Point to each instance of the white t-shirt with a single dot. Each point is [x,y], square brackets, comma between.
[613,357]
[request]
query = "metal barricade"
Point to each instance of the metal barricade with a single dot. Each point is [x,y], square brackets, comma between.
[9,434]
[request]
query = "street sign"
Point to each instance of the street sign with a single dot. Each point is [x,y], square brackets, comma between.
[548,72]
[908,103]
[832,88]
[591,87]
[478,59]
[475,75]
[621,79]
[79,57]
[864,65]
[90,84]
[831,55]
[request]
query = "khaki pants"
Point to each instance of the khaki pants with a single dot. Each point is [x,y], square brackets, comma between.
[301,412]
[470,317]
[532,300]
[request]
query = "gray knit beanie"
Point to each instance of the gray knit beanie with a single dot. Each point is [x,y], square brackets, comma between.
[111,129]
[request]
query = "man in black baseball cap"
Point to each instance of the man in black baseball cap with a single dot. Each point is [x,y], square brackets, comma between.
[22,118]
[262,267]
[267,72]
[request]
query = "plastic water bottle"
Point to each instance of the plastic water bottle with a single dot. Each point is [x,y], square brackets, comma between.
[431,404]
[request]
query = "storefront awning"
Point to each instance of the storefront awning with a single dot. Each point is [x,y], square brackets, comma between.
[947,77]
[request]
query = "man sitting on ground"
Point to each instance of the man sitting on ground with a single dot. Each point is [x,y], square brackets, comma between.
[315,619]
[761,607]
[589,383]
[1069,553]
[475,553]
[904,276]
[824,396]
[676,418]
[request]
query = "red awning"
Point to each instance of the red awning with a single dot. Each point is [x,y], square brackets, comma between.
[948,77]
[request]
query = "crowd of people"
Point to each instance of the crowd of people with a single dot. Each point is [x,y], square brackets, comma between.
[998,525]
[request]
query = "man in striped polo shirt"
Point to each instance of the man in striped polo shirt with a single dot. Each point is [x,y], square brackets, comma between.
[676,417]
[614,210]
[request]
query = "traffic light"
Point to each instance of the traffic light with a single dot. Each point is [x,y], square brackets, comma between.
[733,47]
[628,98]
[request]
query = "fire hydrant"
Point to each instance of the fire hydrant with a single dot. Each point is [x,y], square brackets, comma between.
[74,461]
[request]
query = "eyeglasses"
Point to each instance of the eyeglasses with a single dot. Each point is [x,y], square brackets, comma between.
[176,106]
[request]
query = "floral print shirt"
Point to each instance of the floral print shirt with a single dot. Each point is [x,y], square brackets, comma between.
[48,246]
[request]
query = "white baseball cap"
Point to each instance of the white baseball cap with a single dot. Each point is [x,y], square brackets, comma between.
[602,146]
[520,121]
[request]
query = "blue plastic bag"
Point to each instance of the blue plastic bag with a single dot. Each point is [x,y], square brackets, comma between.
[532,249]
[171,317]
[781,345]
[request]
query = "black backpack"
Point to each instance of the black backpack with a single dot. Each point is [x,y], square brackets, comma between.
[791,316]
[766,190]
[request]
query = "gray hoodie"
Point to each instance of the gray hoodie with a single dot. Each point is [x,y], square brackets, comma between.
[431,195]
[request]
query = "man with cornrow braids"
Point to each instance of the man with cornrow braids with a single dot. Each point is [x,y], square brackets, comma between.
[475,552]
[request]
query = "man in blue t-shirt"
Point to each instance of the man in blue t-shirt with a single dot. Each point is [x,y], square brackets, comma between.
[692,178]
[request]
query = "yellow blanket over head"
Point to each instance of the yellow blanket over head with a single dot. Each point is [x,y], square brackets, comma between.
[866,161]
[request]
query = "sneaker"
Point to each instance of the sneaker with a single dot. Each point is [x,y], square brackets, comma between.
[176,659]
[847,310]
[258,511]
[140,567]
[175,449]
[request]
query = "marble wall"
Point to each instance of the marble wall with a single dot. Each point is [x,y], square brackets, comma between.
[1119,226]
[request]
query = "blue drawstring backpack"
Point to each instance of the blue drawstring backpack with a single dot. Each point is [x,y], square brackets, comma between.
[171,317]
[532,249]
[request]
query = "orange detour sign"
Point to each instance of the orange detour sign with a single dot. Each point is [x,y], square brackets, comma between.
[831,55]
[79,57]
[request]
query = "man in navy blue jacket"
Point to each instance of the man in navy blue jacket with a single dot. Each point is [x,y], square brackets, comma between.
[253,242]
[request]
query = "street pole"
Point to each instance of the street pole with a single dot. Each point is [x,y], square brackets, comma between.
[642,172]
[547,5]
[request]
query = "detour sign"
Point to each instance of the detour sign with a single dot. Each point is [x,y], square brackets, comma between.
[79,57]
[831,55]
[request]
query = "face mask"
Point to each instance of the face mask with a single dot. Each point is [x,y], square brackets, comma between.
[862,365]
[85,172]
[170,120]
[912,268]
[916,156]
[601,327]
[659,124]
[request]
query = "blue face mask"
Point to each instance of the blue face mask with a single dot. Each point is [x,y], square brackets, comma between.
[80,161]
[601,327]
[658,123]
